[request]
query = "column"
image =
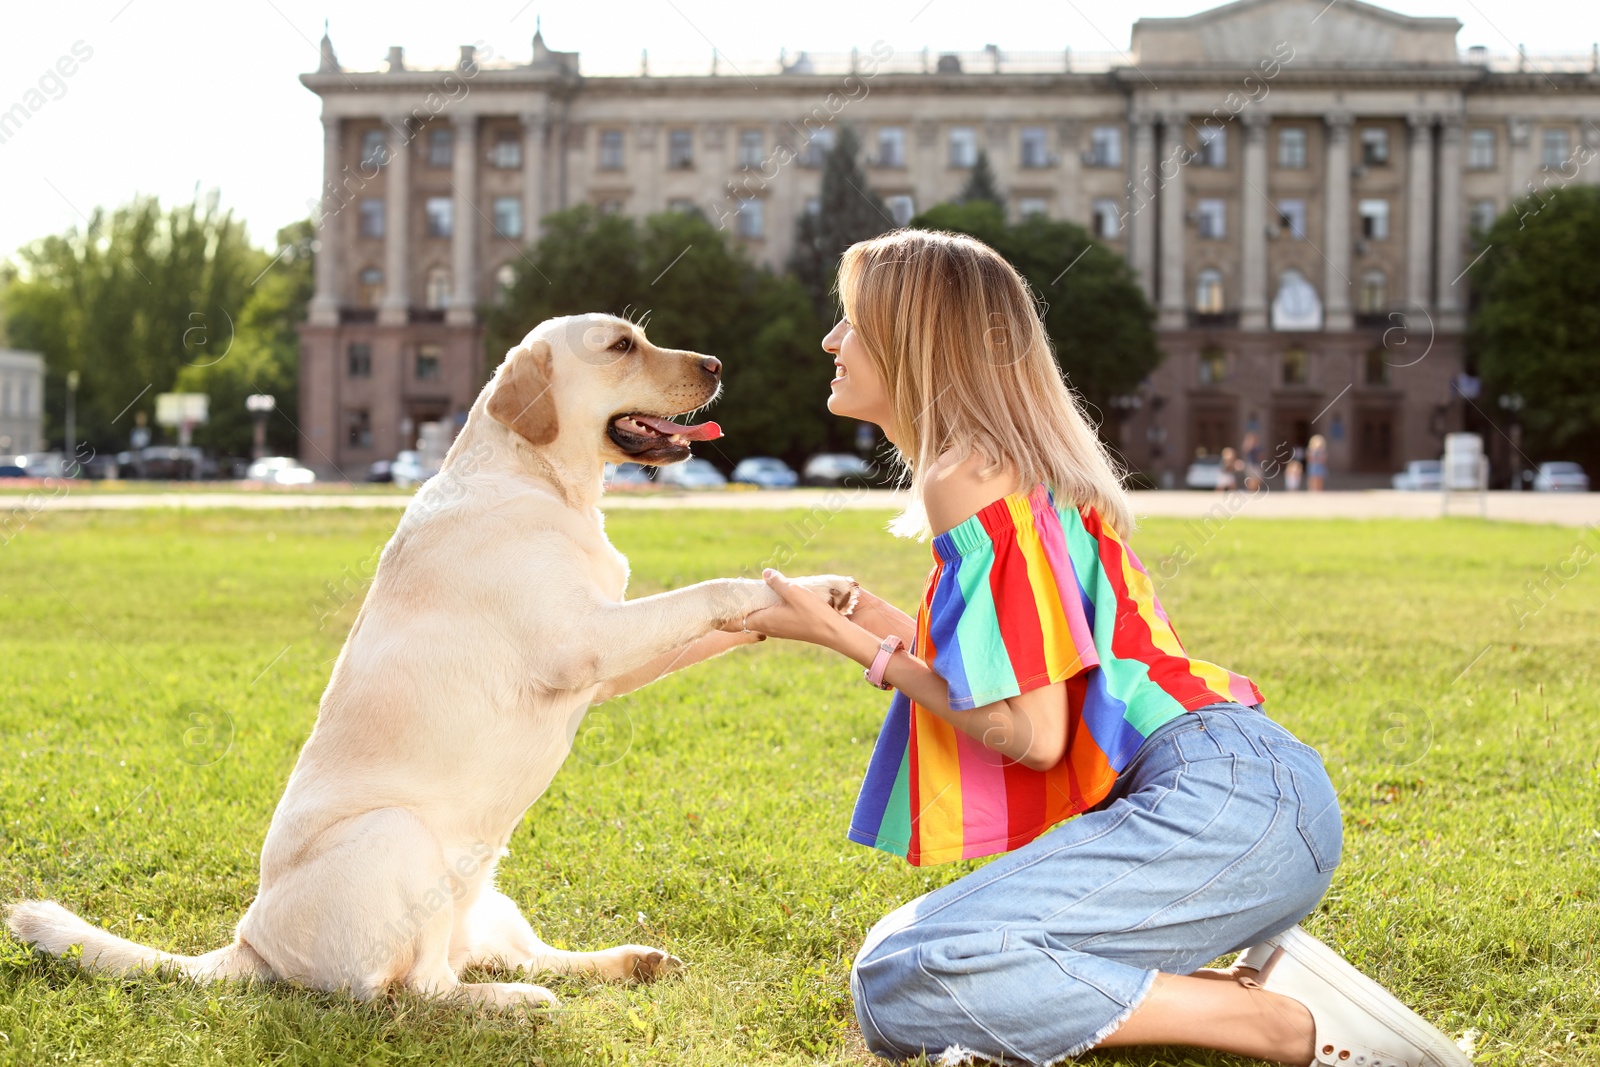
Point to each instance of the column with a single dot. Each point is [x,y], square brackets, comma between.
[1142,185]
[1337,238]
[1419,214]
[395,307]
[324,310]
[1069,181]
[1253,222]
[1449,291]
[464,231]
[1174,154]
[1589,134]
[1519,158]
[533,178]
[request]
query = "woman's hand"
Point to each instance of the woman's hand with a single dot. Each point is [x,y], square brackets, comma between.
[803,615]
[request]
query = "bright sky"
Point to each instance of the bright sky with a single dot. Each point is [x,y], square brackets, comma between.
[183,92]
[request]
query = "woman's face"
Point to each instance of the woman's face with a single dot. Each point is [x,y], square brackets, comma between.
[857,388]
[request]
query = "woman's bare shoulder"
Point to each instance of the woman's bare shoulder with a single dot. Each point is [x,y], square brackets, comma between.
[957,489]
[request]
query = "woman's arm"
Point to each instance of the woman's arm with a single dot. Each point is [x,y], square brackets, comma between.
[881,618]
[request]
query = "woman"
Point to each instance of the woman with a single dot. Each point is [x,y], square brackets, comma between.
[1316,462]
[1041,680]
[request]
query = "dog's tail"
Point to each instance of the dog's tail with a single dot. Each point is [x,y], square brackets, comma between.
[49,927]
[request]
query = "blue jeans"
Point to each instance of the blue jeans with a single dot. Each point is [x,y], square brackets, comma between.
[1223,831]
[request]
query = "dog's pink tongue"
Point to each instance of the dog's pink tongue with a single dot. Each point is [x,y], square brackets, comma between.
[700,431]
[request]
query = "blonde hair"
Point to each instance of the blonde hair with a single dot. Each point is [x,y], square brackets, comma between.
[955,333]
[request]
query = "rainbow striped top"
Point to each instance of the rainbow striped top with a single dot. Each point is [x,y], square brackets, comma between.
[1024,594]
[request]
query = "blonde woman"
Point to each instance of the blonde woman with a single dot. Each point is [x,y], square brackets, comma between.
[1150,815]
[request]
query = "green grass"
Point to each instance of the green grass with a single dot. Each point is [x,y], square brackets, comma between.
[1469,884]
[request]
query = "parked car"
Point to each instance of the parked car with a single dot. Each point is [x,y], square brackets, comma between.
[691,474]
[11,470]
[1560,478]
[280,470]
[171,463]
[1420,476]
[1204,472]
[626,475]
[44,464]
[408,470]
[766,472]
[379,471]
[833,468]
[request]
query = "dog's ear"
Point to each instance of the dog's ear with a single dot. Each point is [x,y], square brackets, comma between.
[522,399]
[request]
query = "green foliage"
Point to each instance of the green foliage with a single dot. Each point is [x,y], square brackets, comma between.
[1536,330]
[141,295]
[981,184]
[680,276]
[847,211]
[1095,312]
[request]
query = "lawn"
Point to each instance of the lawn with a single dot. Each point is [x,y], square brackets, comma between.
[161,670]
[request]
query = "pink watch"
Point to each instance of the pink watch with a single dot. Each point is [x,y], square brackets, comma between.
[880,663]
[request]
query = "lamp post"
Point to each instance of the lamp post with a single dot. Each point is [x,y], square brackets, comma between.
[260,406]
[1512,404]
[73,379]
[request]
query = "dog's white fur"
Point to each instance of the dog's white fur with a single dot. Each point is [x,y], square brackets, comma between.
[495,618]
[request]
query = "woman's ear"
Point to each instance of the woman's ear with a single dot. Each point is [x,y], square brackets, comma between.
[522,399]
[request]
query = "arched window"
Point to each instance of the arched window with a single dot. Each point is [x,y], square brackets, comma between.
[438,291]
[1373,297]
[1208,292]
[371,287]
[504,279]
[1297,306]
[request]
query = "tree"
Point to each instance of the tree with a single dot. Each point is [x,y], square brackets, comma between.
[1536,330]
[981,184]
[1094,311]
[678,275]
[847,212]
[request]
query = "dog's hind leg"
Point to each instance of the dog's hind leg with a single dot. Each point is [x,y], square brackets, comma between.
[494,933]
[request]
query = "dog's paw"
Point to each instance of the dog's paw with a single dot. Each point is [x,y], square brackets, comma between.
[840,592]
[648,964]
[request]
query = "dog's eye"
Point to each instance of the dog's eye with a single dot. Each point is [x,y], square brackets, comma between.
[624,344]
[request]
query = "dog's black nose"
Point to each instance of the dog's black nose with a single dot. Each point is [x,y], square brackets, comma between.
[712,365]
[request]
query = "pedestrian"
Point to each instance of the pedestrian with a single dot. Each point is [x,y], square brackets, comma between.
[1227,472]
[1293,473]
[1316,462]
[1250,455]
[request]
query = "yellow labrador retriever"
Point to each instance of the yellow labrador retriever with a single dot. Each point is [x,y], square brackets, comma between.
[495,618]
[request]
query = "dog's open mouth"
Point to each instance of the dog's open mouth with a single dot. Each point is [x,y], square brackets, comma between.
[654,440]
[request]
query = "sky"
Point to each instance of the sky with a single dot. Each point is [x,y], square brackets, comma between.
[169,95]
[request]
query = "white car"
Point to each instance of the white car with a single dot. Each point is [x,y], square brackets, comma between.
[1560,478]
[691,474]
[280,470]
[626,474]
[408,470]
[833,468]
[1420,475]
[766,472]
[1204,472]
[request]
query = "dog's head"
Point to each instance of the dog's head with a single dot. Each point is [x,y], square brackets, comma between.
[598,378]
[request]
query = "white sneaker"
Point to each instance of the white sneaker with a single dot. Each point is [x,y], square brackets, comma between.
[1359,1023]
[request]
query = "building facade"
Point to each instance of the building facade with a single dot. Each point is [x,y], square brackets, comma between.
[1296,184]
[21,403]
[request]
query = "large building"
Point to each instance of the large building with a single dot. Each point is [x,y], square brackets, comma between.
[1296,183]
[21,403]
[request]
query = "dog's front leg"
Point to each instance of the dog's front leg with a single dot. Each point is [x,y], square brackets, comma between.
[699,650]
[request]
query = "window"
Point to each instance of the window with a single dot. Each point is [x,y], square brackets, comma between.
[504,280]
[1292,218]
[1213,365]
[891,146]
[358,360]
[1292,147]
[1107,218]
[818,145]
[426,367]
[1033,207]
[682,205]
[1105,146]
[374,149]
[371,281]
[1376,370]
[441,212]
[751,218]
[508,216]
[610,207]
[1375,146]
[610,149]
[1034,152]
[901,208]
[1483,214]
[680,149]
[1374,219]
[437,295]
[1208,292]
[441,147]
[358,428]
[963,146]
[1373,296]
[1296,367]
[371,216]
[1213,146]
[1553,149]
[506,153]
[752,148]
[1480,149]
[1213,218]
